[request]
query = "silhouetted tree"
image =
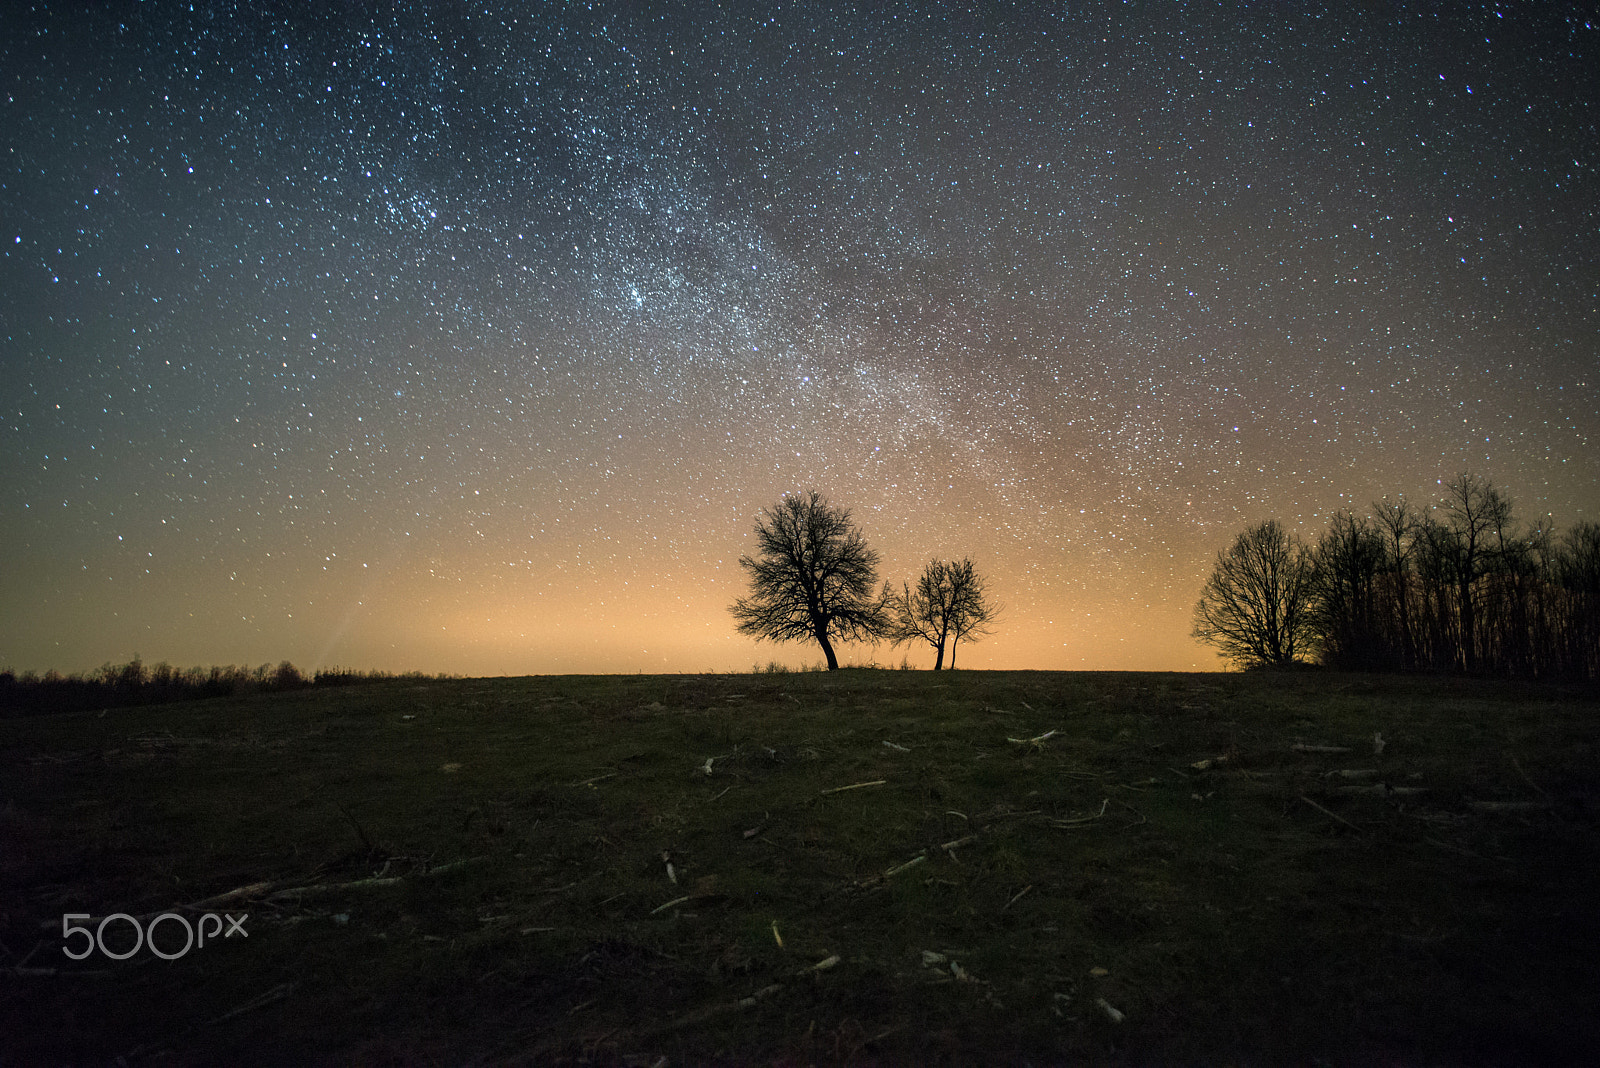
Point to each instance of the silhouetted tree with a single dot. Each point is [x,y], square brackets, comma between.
[1577,568]
[812,579]
[1256,606]
[950,603]
[1478,515]
[1349,559]
[1397,525]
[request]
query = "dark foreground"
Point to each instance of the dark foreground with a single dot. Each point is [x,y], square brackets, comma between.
[879,868]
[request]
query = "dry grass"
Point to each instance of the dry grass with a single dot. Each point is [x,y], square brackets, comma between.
[1008,867]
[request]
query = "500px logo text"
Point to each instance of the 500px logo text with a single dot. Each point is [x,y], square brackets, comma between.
[194,935]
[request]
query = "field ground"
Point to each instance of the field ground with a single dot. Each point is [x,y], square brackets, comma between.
[879,868]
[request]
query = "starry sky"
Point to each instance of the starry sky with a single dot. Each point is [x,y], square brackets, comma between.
[473,338]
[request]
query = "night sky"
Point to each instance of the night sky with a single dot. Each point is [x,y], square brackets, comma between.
[473,338]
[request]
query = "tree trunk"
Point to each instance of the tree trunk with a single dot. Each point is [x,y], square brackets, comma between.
[938,660]
[827,650]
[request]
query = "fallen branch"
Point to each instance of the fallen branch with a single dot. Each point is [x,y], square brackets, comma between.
[1331,815]
[1299,747]
[968,840]
[854,786]
[900,748]
[1017,896]
[597,778]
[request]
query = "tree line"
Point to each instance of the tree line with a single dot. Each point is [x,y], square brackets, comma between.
[1457,587]
[814,578]
[137,683]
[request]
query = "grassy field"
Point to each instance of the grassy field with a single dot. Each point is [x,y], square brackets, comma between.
[865,867]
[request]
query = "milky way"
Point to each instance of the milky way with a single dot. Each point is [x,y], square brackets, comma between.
[474,338]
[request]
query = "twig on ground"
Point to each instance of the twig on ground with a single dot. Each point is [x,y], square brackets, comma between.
[1454,848]
[670,904]
[277,993]
[329,888]
[725,789]
[1331,815]
[24,973]
[597,778]
[1508,806]
[253,890]
[360,833]
[968,840]
[1300,747]
[900,748]
[1082,819]
[855,786]
[1112,1014]
[1037,741]
[1142,817]
[912,863]
[1518,765]
[1017,896]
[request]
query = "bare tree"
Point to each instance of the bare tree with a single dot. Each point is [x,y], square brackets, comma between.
[1256,607]
[950,603]
[975,614]
[813,578]
[1478,514]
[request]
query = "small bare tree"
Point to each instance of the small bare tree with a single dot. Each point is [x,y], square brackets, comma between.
[812,579]
[1257,606]
[950,603]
